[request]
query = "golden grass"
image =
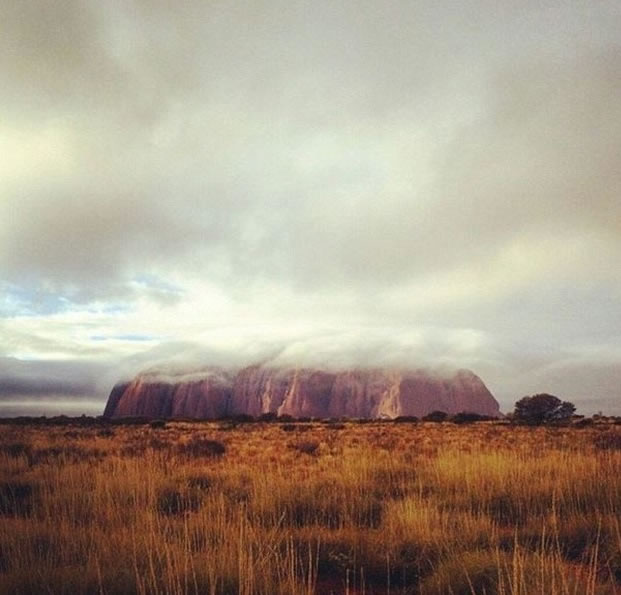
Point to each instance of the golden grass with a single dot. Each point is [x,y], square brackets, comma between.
[313,508]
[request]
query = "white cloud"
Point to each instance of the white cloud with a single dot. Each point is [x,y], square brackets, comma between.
[402,179]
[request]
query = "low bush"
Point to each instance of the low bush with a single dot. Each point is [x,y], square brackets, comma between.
[307,447]
[15,449]
[130,421]
[201,447]
[405,419]
[268,417]
[171,502]
[468,417]
[16,498]
[201,482]
[609,440]
[63,454]
[242,418]
[472,572]
[436,416]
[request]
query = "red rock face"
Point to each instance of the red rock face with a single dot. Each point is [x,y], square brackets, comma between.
[302,392]
[113,400]
[151,396]
[259,390]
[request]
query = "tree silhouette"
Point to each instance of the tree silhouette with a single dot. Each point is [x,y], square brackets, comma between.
[542,409]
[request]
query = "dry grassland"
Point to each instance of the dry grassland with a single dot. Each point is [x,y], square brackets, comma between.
[286,508]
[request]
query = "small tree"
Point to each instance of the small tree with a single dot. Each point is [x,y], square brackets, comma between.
[542,409]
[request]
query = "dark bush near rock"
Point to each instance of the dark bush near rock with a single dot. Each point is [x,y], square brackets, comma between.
[130,421]
[405,419]
[242,418]
[437,416]
[268,417]
[467,417]
[158,424]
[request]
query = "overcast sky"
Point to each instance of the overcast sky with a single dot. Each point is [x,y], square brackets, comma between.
[389,182]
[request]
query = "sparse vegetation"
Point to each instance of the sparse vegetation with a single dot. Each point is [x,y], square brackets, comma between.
[219,508]
[307,447]
[199,447]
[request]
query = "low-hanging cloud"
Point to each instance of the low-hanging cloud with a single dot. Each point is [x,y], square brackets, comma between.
[43,379]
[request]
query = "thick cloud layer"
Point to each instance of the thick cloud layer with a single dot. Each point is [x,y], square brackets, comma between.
[226,173]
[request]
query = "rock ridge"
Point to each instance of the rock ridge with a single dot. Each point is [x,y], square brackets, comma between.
[214,393]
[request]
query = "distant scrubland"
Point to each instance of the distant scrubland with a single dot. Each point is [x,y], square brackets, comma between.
[314,507]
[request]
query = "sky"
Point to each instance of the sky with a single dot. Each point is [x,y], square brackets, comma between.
[374,183]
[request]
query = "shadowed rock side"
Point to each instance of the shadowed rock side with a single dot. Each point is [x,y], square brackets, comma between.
[301,392]
[113,400]
[150,395]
